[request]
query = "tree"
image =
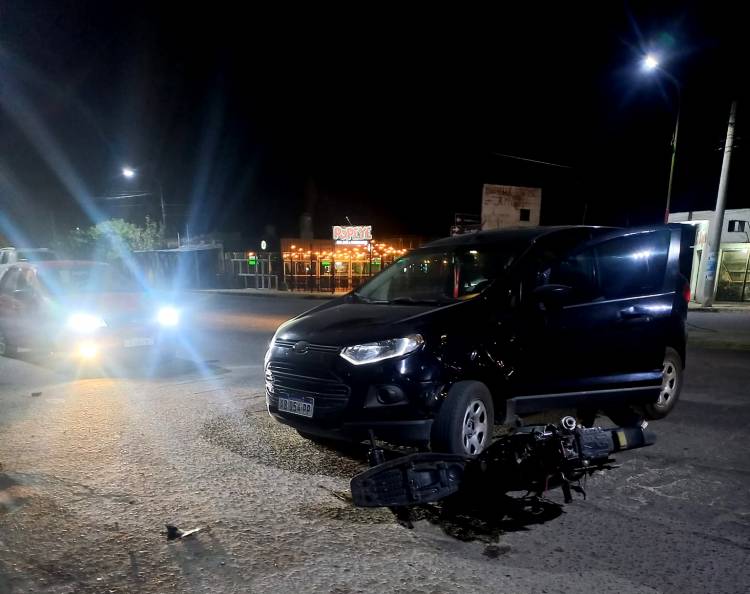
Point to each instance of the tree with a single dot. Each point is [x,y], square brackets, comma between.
[114,239]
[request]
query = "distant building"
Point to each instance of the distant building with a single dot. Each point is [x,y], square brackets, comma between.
[733,272]
[510,206]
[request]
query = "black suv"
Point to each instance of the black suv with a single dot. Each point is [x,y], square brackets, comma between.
[491,328]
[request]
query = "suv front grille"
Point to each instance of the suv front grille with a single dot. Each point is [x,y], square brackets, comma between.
[320,348]
[288,379]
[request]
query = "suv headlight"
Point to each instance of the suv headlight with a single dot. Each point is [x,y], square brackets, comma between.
[372,352]
[168,316]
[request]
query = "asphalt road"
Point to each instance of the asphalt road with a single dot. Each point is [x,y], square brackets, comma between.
[93,468]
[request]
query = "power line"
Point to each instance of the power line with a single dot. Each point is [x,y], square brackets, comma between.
[532,160]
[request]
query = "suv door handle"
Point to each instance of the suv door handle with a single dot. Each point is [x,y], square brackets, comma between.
[635,312]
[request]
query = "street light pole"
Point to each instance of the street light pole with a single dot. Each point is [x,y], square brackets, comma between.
[709,259]
[674,153]
[164,212]
[650,64]
[130,173]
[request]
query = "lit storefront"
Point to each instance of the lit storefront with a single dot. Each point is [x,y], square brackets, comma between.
[336,264]
[733,270]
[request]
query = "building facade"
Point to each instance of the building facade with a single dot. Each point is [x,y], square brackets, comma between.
[733,270]
[510,206]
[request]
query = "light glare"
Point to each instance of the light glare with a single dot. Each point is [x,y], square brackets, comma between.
[650,62]
[168,316]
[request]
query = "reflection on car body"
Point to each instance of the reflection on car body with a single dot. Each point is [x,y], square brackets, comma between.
[491,327]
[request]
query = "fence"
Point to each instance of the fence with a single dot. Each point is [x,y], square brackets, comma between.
[252,272]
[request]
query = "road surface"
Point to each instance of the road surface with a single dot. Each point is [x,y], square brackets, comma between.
[93,468]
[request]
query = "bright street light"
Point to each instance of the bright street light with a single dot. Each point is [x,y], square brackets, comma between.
[650,62]
[129,173]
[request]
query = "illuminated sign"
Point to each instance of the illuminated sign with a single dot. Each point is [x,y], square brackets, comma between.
[352,234]
[251,261]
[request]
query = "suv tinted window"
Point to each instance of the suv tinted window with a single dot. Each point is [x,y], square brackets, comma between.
[25,280]
[578,272]
[632,265]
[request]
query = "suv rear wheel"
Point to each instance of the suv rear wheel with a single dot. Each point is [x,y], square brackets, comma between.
[465,422]
[671,386]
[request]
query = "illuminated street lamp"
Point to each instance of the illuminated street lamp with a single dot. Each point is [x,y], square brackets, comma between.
[129,173]
[649,64]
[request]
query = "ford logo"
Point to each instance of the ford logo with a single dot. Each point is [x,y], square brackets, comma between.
[301,347]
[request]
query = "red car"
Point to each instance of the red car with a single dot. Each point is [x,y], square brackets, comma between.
[85,310]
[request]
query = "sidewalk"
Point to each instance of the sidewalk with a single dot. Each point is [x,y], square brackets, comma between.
[271,293]
[733,306]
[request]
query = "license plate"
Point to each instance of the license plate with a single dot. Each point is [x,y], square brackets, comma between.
[137,342]
[297,405]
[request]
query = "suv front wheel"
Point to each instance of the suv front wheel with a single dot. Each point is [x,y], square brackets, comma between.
[465,422]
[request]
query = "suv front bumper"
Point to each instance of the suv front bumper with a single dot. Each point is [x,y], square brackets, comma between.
[415,431]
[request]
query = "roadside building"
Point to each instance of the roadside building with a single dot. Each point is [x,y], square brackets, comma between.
[733,271]
[341,263]
[510,206]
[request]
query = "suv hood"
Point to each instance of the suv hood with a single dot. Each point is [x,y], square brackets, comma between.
[342,324]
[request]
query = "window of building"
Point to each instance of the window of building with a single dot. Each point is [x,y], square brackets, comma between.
[525,214]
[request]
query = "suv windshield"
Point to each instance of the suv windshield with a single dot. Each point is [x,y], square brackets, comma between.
[39,255]
[97,278]
[437,276]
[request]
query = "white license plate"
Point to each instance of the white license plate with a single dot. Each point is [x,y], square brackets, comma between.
[297,405]
[137,342]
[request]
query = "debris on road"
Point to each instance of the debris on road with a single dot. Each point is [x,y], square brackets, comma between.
[35,394]
[342,495]
[175,533]
[534,459]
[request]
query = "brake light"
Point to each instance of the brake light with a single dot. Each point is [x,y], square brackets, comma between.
[686,292]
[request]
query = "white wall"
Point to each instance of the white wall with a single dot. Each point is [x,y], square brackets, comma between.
[742,214]
[501,206]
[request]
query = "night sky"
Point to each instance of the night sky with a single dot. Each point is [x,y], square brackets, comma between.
[389,116]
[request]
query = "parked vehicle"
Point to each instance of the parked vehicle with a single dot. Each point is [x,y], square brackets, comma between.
[488,328]
[82,310]
[11,255]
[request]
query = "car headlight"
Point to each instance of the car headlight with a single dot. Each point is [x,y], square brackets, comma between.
[83,323]
[372,352]
[168,316]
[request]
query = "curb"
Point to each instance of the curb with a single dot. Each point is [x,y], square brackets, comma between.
[268,293]
[720,309]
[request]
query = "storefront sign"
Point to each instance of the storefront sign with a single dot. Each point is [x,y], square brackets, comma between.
[352,235]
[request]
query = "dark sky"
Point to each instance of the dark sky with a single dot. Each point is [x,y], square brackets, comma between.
[390,116]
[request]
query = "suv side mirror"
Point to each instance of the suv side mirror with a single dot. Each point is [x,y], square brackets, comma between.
[552,296]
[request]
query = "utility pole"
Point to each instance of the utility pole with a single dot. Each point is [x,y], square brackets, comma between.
[163,210]
[709,261]
[674,152]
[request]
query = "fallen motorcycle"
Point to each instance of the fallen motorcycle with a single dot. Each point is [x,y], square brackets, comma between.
[532,459]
